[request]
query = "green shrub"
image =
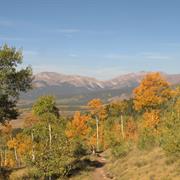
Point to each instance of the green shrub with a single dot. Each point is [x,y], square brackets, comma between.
[120,149]
[147,140]
[170,141]
[80,149]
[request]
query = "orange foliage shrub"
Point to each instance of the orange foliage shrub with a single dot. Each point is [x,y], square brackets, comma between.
[7,129]
[78,126]
[153,91]
[22,144]
[131,130]
[151,119]
[10,160]
[97,108]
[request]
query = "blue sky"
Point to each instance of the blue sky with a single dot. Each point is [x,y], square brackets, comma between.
[99,38]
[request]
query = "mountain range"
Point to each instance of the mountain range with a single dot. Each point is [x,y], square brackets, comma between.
[75,89]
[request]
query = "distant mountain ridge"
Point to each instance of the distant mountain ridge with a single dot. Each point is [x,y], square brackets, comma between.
[82,88]
[57,79]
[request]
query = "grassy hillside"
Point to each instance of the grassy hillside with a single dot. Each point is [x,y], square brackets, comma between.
[145,165]
[137,165]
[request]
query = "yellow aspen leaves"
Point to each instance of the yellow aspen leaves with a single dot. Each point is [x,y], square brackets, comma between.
[78,126]
[153,91]
[151,119]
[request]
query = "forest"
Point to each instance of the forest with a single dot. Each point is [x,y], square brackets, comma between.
[53,146]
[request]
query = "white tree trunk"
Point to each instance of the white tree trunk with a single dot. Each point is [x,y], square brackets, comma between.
[33,154]
[93,150]
[122,127]
[97,134]
[16,157]
[50,136]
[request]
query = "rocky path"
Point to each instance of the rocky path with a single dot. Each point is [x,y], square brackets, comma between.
[99,173]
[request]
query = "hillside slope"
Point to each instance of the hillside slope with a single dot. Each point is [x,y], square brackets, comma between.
[145,165]
[137,165]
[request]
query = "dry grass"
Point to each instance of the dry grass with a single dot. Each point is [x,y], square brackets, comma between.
[141,165]
[82,176]
[18,174]
[137,165]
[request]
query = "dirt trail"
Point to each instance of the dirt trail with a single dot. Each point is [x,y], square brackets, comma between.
[99,173]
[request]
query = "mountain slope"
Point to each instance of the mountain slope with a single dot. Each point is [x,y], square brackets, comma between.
[55,79]
[76,89]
